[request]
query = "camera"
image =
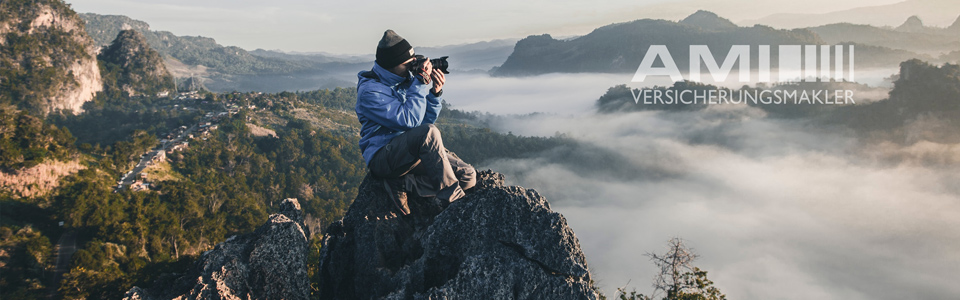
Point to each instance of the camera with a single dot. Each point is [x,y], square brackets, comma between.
[438,64]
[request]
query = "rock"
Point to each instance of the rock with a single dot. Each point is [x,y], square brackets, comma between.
[269,263]
[49,36]
[498,242]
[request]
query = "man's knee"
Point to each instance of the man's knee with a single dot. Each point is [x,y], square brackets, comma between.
[432,130]
[426,131]
[469,178]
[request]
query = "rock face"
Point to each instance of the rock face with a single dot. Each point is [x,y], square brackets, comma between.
[270,263]
[52,64]
[498,242]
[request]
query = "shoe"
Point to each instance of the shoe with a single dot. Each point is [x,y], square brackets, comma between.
[397,194]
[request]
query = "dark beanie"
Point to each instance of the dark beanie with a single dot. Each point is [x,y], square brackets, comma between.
[393,50]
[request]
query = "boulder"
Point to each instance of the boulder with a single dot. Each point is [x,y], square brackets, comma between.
[269,263]
[498,242]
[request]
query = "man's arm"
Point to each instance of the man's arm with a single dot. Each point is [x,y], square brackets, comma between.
[387,110]
[433,99]
[433,109]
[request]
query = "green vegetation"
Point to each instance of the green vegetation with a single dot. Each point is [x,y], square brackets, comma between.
[620,98]
[678,279]
[130,67]
[34,64]
[26,141]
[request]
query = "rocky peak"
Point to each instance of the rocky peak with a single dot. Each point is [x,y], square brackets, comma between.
[498,242]
[140,69]
[708,21]
[269,263]
[912,24]
[48,36]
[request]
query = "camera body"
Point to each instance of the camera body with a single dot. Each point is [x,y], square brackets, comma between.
[438,64]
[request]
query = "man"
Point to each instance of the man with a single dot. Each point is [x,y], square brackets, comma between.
[398,140]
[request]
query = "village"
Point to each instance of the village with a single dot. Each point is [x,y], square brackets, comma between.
[177,139]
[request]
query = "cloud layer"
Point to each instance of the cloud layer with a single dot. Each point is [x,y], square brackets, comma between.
[776,209]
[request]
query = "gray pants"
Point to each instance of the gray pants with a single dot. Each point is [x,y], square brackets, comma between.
[418,156]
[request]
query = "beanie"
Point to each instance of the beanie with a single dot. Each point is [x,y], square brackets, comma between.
[393,50]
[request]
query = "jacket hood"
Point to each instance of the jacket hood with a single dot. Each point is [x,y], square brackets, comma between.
[385,76]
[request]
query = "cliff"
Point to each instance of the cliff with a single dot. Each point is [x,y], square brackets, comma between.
[498,242]
[47,60]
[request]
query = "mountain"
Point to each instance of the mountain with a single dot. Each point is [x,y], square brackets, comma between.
[201,62]
[620,47]
[190,50]
[473,56]
[134,68]
[708,21]
[940,12]
[47,61]
[912,24]
[911,36]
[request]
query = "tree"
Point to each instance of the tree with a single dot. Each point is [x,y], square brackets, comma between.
[678,279]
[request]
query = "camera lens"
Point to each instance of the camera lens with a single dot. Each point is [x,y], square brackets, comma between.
[441,64]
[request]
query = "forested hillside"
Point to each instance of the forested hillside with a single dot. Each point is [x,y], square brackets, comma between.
[47,62]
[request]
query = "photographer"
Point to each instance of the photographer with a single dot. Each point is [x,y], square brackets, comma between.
[399,142]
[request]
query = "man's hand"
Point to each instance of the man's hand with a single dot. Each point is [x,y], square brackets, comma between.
[427,72]
[438,80]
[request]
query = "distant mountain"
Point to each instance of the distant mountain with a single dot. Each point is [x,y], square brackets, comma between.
[912,24]
[912,35]
[190,50]
[473,56]
[133,68]
[620,47]
[940,12]
[708,21]
[46,63]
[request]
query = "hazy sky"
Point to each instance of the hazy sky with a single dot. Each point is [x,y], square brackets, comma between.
[355,26]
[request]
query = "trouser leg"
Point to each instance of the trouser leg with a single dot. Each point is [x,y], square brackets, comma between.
[419,148]
[466,174]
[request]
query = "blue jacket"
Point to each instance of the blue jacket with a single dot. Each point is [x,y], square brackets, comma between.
[388,105]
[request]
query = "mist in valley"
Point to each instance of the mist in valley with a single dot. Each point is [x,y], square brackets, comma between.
[777,208]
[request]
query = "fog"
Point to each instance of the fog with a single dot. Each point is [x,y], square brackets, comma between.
[776,209]
[575,93]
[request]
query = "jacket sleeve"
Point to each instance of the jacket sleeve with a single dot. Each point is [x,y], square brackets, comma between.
[382,107]
[433,108]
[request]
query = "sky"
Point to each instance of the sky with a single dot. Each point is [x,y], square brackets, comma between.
[346,27]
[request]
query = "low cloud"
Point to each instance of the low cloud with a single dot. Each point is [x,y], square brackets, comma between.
[776,209]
